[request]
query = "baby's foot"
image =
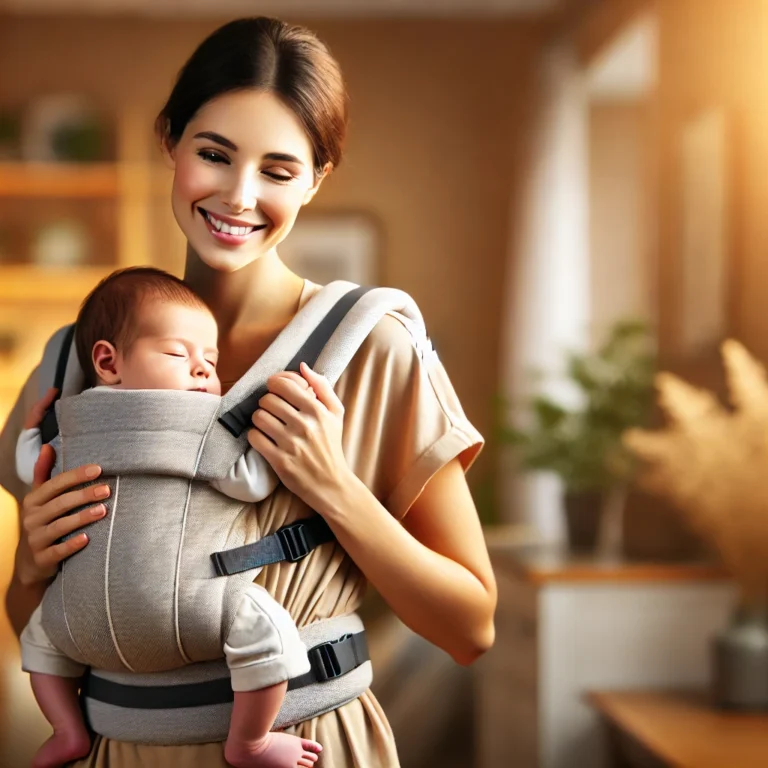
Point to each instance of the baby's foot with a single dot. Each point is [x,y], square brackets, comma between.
[62,747]
[275,750]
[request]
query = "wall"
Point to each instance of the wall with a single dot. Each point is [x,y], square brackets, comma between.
[437,110]
[714,54]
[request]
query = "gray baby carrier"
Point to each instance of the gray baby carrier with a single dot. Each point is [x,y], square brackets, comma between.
[148,603]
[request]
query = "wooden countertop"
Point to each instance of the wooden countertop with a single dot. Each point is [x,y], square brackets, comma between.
[684,730]
[510,550]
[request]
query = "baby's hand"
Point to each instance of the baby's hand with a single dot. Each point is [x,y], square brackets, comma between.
[36,413]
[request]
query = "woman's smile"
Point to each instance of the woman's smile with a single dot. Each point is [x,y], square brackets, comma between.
[227,230]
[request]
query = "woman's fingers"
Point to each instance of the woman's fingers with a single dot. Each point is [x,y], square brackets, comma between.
[323,389]
[50,557]
[43,466]
[50,489]
[271,426]
[42,535]
[294,390]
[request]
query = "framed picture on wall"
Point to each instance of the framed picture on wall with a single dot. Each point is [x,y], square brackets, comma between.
[333,246]
[705,232]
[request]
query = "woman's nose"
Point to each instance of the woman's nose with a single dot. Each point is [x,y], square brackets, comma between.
[242,196]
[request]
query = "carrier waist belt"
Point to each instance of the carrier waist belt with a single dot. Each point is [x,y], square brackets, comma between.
[193,704]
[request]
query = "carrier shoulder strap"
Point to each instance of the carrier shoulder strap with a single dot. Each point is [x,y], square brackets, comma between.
[238,419]
[55,358]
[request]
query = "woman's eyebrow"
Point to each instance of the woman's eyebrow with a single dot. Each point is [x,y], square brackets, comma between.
[218,138]
[282,156]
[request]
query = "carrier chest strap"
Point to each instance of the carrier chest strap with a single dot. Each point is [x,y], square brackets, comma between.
[328,660]
[238,419]
[289,543]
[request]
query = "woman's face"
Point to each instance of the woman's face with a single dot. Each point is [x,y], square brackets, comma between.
[243,169]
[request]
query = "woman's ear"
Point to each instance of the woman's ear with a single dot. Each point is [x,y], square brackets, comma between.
[104,357]
[312,191]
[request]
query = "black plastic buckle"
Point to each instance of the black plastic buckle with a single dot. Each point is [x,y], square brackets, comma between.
[293,542]
[324,660]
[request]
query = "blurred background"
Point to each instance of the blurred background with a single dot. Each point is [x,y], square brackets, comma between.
[574,192]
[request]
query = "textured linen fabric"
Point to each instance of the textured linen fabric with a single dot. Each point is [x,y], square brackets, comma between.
[403,422]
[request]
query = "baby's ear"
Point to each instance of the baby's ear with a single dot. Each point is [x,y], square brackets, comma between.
[104,357]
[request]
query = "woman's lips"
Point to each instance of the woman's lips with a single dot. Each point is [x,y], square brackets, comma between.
[227,237]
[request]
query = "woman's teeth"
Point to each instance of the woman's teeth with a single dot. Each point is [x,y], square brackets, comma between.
[228,229]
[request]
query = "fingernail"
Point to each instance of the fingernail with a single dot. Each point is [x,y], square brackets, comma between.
[101,492]
[92,471]
[99,511]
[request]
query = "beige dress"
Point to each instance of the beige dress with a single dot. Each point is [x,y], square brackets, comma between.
[403,422]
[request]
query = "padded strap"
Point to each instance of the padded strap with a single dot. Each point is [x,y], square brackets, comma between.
[328,660]
[49,426]
[291,542]
[238,419]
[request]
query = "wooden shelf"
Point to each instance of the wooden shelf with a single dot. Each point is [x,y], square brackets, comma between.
[54,284]
[57,180]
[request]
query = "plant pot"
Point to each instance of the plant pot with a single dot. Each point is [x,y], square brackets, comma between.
[740,661]
[583,516]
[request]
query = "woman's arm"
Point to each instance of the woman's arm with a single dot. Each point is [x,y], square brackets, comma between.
[43,519]
[434,569]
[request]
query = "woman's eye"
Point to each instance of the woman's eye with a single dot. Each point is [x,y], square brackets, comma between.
[212,157]
[278,176]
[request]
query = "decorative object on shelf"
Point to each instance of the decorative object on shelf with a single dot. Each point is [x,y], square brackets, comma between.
[712,462]
[583,444]
[10,135]
[63,127]
[61,243]
[333,246]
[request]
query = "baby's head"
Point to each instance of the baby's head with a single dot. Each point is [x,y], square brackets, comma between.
[142,328]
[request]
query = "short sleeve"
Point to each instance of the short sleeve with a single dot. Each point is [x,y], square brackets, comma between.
[403,420]
[10,434]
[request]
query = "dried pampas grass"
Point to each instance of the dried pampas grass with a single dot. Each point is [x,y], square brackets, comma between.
[712,463]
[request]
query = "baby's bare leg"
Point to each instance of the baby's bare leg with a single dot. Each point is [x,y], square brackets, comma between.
[250,743]
[57,698]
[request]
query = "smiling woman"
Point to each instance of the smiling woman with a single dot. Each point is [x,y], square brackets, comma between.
[253,126]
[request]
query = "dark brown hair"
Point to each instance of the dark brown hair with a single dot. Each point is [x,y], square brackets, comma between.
[110,310]
[270,55]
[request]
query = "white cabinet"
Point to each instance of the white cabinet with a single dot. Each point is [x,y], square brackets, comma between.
[564,627]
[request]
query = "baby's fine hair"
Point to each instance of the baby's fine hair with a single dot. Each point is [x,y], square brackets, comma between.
[109,311]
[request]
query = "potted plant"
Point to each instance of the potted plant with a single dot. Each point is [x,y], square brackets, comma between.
[582,444]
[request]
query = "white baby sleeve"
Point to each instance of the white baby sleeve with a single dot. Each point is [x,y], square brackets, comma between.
[38,654]
[263,646]
[250,479]
[28,448]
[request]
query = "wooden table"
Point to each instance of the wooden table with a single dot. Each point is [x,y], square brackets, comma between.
[652,729]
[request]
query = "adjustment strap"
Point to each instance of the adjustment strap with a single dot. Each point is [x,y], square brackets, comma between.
[291,542]
[49,426]
[329,661]
[333,659]
[238,419]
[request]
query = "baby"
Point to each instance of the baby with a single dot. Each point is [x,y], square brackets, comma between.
[142,328]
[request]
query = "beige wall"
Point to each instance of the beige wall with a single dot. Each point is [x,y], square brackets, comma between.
[715,55]
[619,216]
[437,111]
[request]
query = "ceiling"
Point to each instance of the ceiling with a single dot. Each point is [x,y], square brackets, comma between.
[305,8]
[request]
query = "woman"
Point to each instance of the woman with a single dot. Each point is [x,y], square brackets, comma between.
[254,124]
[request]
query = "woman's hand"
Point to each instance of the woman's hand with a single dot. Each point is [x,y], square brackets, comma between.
[44,519]
[298,431]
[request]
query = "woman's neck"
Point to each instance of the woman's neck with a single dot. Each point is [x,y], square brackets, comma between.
[263,294]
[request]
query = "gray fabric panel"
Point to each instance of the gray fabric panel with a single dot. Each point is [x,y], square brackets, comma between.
[82,579]
[206,600]
[191,725]
[157,431]
[194,725]
[142,570]
[55,622]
